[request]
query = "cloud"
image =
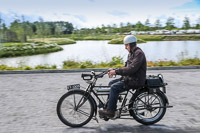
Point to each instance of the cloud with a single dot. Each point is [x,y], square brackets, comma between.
[108,11]
[81,18]
[118,13]
[10,16]
[66,14]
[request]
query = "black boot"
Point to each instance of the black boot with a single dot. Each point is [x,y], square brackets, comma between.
[107,113]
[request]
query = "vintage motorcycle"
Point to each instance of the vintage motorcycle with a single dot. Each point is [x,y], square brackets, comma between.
[147,105]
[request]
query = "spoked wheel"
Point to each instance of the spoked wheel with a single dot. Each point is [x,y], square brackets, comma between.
[147,108]
[75,108]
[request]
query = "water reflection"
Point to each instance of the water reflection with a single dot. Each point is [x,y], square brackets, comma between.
[98,51]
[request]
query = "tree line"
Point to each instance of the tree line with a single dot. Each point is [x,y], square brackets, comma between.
[139,26]
[19,30]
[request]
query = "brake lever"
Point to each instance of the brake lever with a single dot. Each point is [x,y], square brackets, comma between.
[93,73]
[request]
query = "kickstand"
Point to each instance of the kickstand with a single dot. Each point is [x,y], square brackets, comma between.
[95,118]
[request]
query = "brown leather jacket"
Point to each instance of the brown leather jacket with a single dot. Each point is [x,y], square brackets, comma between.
[134,72]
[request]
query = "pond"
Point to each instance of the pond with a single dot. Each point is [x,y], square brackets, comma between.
[97,51]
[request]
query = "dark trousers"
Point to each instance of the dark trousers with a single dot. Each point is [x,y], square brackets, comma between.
[117,87]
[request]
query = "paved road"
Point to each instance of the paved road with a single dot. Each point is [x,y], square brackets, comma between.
[28,104]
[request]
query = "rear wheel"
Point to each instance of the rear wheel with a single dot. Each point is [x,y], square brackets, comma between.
[75,108]
[147,108]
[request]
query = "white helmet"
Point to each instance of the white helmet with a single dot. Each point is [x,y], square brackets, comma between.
[129,39]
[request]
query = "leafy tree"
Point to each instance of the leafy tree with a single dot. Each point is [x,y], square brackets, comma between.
[1,22]
[17,27]
[121,30]
[146,26]
[42,29]
[198,24]
[114,26]
[129,27]
[139,26]
[22,29]
[1,32]
[186,23]
[58,28]
[98,30]
[115,29]
[170,23]
[158,24]
[109,29]
[103,28]
[68,28]
[147,22]
[10,36]
[4,28]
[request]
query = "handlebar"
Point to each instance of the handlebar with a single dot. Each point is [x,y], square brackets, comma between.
[94,75]
[100,75]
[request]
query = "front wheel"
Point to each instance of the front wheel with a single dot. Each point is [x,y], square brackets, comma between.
[147,108]
[75,108]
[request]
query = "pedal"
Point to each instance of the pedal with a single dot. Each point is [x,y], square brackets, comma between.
[104,118]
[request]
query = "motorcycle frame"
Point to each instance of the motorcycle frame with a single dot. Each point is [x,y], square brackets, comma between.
[90,89]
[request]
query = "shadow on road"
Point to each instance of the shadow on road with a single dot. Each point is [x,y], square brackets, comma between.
[80,130]
[142,129]
[119,128]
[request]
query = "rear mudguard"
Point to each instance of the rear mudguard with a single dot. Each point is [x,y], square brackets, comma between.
[147,90]
[89,96]
[165,97]
[157,90]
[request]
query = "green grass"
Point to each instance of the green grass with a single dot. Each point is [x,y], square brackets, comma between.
[39,67]
[151,37]
[120,41]
[59,41]
[93,37]
[114,39]
[25,49]
[181,38]
[11,44]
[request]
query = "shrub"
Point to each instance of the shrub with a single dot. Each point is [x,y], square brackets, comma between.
[38,67]
[70,64]
[86,64]
[28,68]
[116,61]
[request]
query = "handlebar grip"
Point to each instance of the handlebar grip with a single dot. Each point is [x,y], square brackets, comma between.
[86,76]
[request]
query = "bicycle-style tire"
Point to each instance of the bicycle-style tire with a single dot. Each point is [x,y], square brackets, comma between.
[75,117]
[139,109]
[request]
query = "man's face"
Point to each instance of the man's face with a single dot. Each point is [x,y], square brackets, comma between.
[127,46]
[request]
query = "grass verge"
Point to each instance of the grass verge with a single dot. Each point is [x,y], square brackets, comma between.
[115,63]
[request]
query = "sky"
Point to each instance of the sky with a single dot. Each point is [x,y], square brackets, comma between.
[94,13]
